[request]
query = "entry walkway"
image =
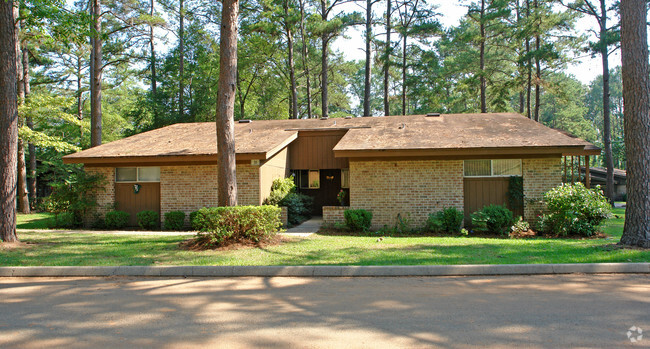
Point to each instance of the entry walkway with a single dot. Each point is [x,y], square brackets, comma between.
[305,229]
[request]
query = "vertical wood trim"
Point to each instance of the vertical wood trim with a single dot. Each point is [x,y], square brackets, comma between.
[587,174]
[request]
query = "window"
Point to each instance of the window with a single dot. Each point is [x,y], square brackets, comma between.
[306,179]
[137,174]
[345,178]
[314,179]
[492,168]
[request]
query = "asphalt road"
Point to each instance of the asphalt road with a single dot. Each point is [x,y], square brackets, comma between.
[407,312]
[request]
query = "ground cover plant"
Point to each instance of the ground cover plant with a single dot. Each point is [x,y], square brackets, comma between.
[50,248]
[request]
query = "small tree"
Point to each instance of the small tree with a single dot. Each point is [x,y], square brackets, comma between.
[75,195]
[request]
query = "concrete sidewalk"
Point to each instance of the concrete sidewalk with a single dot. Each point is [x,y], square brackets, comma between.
[331,271]
[305,229]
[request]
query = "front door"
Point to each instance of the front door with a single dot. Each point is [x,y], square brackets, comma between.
[325,195]
[133,200]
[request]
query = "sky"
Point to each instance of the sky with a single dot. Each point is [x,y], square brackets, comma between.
[585,68]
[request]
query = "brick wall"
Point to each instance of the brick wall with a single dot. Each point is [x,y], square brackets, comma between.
[540,175]
[248,185]
[413,189]
[106,195]
[334,214]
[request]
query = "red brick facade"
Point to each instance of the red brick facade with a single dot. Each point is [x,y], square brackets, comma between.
[540,175]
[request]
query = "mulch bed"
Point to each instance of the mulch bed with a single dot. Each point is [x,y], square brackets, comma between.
[194,244]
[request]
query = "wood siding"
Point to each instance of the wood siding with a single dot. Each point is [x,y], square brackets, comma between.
[313,150]
[148,198]
[485,191]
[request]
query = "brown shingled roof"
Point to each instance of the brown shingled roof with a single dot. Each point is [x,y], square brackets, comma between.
[260,139]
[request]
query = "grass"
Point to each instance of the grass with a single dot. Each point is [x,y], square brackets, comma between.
[40,248]
[34,220]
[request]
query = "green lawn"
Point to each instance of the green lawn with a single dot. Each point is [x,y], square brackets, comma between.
[89,249]
[34,220]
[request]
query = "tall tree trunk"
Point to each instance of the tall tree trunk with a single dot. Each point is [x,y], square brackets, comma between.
[368,71]
[529,66]
[80,107]
[226,176]
[482,60]
[636,98]
[324,64]
[387,58]
[8,124]
[305,61]
[520,65]
[538,68]
[152,62]
[31,175]
[181,59]
[96,75]
[292,72]
[23,195]
[607,130]
[404,73]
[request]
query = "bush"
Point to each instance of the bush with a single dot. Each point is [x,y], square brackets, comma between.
[116,219]
[449,220]
[574,210]
[222,225]
[298,207]
[147,219]
[195,226]
[493,219]
[65,220]
[358,220]
[76,196]
[174,220]
[280,188]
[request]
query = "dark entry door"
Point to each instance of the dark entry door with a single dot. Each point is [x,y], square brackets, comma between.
[147,198]
[330,185]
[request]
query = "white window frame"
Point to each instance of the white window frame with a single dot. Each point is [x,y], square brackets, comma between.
[137,175]
[521,166]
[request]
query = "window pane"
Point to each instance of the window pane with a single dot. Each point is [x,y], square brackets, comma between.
[304,179]
[125,174]
[149,174]
[345,178]
[477,168]
[511,167]
[314,179]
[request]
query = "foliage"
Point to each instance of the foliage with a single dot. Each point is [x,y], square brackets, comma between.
[492,219]
[574,210]
[340,197]
[65,220]
[194,223]
[358,220]
[449,220]
[298,207]
[515,192]
[116,219]
[147,219]
[175,220]
[223,225]
[280,188]
[520,228]
[75,195]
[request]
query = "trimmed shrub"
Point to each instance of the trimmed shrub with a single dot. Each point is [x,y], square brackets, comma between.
[223,225]
[147,219]
[298,207]
[358,220]
[116,219]
[280,188]
[574,210]
[493,219]
[174,220]
[449,220]
[193,215]
[65,220]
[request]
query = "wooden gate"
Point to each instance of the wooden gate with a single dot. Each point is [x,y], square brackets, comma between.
[147,198]
[483,191]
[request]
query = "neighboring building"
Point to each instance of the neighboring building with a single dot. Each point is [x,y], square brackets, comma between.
[599,177]
[407,165]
